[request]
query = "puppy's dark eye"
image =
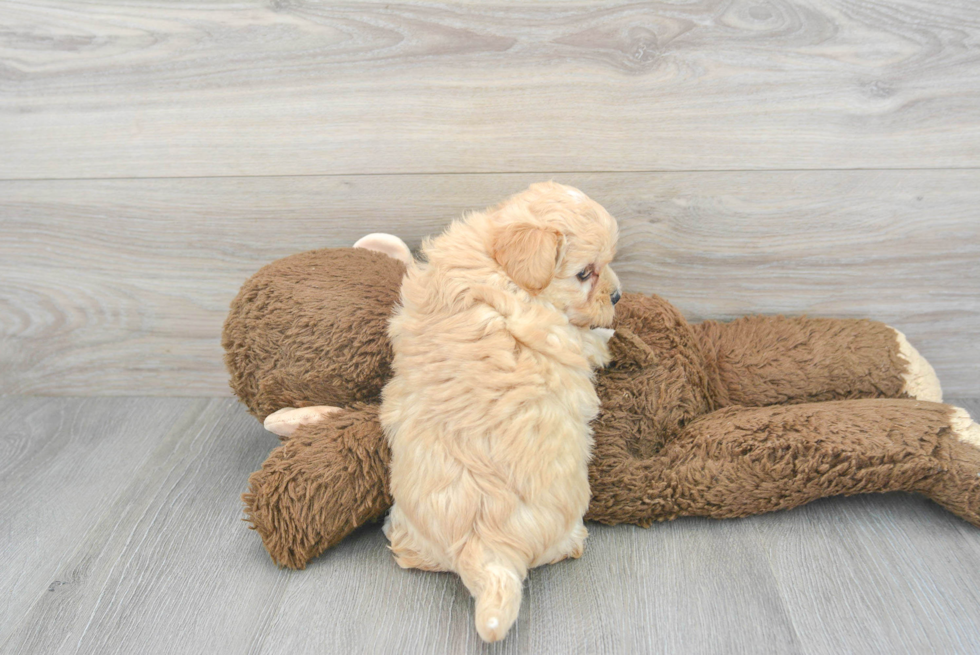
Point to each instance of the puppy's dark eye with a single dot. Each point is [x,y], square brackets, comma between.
[584,274]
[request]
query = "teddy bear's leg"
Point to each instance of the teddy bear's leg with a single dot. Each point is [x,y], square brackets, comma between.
[770,360]
[740,461]
[325,480]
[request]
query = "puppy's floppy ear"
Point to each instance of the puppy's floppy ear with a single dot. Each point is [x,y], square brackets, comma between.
[528,254]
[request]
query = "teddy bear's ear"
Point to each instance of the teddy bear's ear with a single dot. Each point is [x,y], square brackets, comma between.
[528,254]
[628,350]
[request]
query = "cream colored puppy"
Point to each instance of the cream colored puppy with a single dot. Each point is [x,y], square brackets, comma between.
[488,410]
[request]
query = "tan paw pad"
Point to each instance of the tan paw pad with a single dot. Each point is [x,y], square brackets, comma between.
[285,421]
[921,381]
[964,427]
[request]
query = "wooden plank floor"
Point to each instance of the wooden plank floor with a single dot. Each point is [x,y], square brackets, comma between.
[121,533]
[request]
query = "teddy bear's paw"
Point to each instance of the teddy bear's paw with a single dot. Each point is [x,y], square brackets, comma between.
[964,427]
[958,486]
[285,421]
[921,381]
[388,244]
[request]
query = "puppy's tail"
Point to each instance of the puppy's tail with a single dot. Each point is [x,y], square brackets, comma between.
[496,586]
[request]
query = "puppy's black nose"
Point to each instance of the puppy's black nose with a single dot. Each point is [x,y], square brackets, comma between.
[615,296]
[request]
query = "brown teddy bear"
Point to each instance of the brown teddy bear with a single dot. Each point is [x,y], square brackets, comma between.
[712,419]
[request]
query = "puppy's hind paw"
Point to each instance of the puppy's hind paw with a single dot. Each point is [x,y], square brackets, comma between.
[285,421]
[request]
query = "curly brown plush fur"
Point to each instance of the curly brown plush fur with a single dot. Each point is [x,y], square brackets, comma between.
[719,420]
[313,329]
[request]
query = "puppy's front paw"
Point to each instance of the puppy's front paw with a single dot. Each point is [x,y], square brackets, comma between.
[597,346]
[604,334]
[285,421]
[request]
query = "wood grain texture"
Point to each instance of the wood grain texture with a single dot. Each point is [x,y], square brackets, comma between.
[167,566]
[163,563]
[901,573]
[105,89]
[65,463]
[121,286]
[682,587]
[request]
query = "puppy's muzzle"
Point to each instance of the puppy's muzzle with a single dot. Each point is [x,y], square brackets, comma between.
[616,295]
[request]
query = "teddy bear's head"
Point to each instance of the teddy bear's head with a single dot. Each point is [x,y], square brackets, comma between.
[311,329]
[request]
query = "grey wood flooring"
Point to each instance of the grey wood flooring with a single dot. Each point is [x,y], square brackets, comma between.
[120,531]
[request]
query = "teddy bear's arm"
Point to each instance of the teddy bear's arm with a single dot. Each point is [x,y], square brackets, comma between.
[325,480]
[741,461]
[769,360]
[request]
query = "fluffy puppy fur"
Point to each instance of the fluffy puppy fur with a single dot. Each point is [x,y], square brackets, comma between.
[489,407]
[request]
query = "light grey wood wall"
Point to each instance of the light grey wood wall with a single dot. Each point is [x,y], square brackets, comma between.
[778,156]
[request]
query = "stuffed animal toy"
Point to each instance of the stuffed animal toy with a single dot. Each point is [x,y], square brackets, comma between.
[712,419]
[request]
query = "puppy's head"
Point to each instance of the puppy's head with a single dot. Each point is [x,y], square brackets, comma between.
[556,243]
